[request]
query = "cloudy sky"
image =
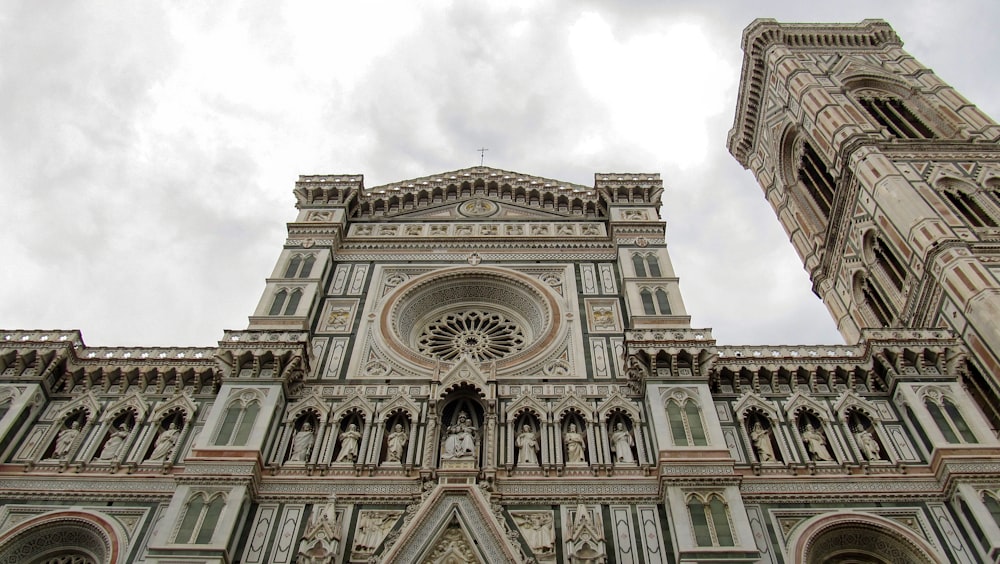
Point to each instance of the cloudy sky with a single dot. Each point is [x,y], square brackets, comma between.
[148,150]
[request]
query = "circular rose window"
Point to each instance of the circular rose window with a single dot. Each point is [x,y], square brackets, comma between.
[485,314]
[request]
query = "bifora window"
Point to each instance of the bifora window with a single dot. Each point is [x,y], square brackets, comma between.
[710,520]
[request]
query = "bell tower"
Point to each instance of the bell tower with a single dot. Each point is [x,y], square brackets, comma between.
[885,178]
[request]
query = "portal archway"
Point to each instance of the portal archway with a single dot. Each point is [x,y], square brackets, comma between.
[67,537]
[859,538]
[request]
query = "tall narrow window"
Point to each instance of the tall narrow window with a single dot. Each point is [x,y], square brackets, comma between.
[890,264]
[640,265]
[293,302]
[969,209]
[654,266]
[686,427]
[892,114]
[950,422]
[647,302]
[293,266]
[278,303]
[307,266]
[817,180]
[661,302]
[198,525]
[237,424]
[992,505]
[710,521]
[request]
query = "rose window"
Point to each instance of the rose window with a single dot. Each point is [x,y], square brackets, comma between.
[482,335]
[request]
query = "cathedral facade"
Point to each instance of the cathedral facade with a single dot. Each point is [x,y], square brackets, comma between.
[488,366]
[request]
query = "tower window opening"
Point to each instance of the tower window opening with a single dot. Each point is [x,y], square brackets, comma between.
[893,115]
[817,180]
[969,209]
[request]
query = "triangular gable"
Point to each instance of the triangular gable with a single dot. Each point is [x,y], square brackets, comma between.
[464,372]
[798,401]
[354,402]
[447,507]
[849,400]
[88,402]
[467,209]
[132,401]
[401,402]
[572,402]
[312,402]
[180,401]
[614,402]
[752,400]
[526,401]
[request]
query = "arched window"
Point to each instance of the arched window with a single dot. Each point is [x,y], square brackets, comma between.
[890,265]
[307,266]
[293,301]
[949,421]
[686,427]
[293,266]
[661,301]
[970,210]
[238,422]
[285,304]
[892,114]
[817,180]
[710,521]
[992,505]
[279,302]
[647,302]
[639,264]
[200,519]
[654,266]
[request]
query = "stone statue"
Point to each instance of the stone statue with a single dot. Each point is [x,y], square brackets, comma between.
[574,445]
[527,443]
[65,440]
[396,443]
[762,440]
[460,441]
[621,444]
[537,530]
[165,443]
[114,443]
[816,443]
[349,444]
[302,444]
[869,446]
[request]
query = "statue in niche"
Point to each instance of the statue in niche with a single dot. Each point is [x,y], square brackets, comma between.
[575,445]
[538,531]
[65,440]
[349,440]
[302,444]
[114,443]
[815,443]
[869,446]
[460,440]
[761,438]
[396,443]
[621,444]
[527,444]
[165,443]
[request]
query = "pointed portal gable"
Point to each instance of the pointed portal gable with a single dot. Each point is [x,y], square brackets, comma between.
[447,520]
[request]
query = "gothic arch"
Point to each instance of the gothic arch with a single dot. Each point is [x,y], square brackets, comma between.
[826,539]
[81,533]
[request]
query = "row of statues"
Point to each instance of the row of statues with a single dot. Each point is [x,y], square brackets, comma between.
[461,442]
[815,443]
[115,442]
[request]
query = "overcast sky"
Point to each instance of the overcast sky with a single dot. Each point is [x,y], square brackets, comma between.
[148,151]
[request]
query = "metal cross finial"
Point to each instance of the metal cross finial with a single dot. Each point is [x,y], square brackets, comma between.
[482,155]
